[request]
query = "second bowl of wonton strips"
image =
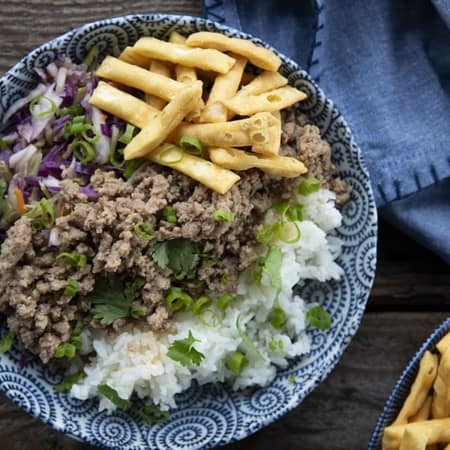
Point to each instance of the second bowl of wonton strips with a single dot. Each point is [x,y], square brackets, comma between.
[210,415]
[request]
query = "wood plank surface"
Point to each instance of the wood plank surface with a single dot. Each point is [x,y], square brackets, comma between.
[411,294]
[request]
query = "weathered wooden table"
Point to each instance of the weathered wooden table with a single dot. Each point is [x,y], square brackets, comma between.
[411,295]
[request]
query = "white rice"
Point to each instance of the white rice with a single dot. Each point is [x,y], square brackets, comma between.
[137,361]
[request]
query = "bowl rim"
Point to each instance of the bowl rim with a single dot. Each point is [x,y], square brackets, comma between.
[295,400]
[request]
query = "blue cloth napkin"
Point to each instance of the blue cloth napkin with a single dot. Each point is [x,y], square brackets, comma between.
[386,65]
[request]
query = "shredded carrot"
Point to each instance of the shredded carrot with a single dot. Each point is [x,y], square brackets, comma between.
[20,201]
[60,211]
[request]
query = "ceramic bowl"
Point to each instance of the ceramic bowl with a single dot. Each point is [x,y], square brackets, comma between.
[210,415]
[403,386]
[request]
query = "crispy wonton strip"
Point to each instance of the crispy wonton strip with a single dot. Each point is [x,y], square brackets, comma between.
[201,170]
[225,86]
[131,56]
[273,100]
[150,137]
[440,407]
[264,82]
[234,159]
[152,83]
[443,344]
[164,70]
[412,440]
[436,430]
[420,388]
[424,412]
[182,54]
[253,131]
[259,56]
[122,105]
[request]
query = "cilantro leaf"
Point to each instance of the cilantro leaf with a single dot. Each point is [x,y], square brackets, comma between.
[319,318]
[112,299]
[184,352]
[180,255]
[271,265]
[112,395]
[152,415]
[68,381]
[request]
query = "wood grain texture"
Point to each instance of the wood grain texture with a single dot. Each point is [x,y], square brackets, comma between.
[411,294]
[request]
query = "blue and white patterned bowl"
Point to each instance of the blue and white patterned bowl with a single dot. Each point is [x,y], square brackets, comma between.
[210,415]
[403,385]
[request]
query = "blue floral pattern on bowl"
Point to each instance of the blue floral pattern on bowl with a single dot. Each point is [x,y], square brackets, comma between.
[403,386]
[210,415]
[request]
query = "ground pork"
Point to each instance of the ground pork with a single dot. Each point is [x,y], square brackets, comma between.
[33,280]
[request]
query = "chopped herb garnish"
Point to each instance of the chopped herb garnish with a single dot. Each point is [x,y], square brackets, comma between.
[268,232]
[72,288]
[278,318]
[276,346]
[90,134]
[128,135]
[113,299]
[65,350]
[170,155]
[91,57]
[177,299]
[237,362]
[271,265]
[130,167]
[144,231]
[200,304]
[247,341]
[73,110]
[309,185]
[3,188]
[290,233]
[317,317]
[223,301]
[191,145]
[112,395]
[75,259]
[296,213]
[180,255]
[43,214]
[184,352]
[39,114]
[221,215]
[224,279]
[138,311]
[152,415]
[6,342]
[169,214]
[68,381]
[292,378]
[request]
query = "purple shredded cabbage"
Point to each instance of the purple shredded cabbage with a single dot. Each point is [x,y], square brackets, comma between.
[88,191]
[106,130]
[24,357]
[58,125]
[4,155]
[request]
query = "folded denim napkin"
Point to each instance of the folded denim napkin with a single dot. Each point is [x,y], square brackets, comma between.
[386,65]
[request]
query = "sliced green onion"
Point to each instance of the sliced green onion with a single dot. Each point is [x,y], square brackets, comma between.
[65,350]
[278,318]
[296,213]
[91,57]
[309,185]
[247,341]
[6,342]
[69,380]
[115,155]
[290,233]
[209,318]
[112,395]
[72,288]
[169,214]
[3,144]
[224,279]
[79,119]
[223,215]
[138,311]
[3,188]
[191,145]
[45,211]
[152,415]
[83,151]
[177,299]
[51,109]
[268,232]
[76,340]
[200,304]
[73,110]
[144,231]
[92,139]
[75,259]
[283,208]
[292,378]
[223,301]
[276,346]
[171,155]
[317,317]
[237,362]
[130,168]
[128,135]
